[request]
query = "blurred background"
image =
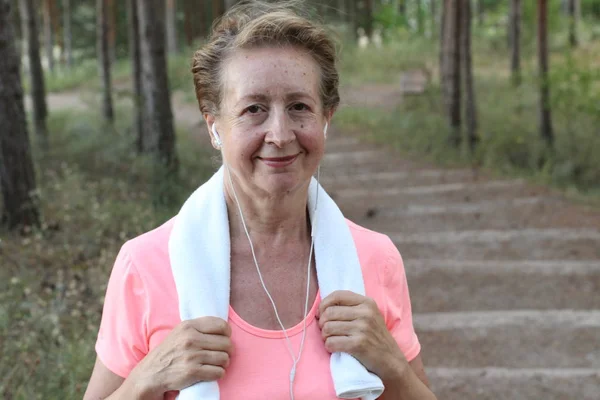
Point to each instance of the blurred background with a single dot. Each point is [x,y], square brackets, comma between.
[469,131]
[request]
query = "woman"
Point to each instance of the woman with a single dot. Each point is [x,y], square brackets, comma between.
[266,84]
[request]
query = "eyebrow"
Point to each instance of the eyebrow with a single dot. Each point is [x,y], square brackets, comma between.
[264,97]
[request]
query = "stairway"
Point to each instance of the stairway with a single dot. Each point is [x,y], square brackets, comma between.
[504,276]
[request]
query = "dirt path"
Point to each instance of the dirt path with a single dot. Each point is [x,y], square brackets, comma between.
[504,276]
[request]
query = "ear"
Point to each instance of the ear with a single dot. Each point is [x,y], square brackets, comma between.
[210,120]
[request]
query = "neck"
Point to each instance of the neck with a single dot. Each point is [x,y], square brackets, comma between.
[276,220]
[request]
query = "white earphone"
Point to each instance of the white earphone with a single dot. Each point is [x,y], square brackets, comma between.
[219,143]
[216,136]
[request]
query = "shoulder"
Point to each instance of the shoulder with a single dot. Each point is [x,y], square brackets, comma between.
[373,247]
[149,254]
[152,243]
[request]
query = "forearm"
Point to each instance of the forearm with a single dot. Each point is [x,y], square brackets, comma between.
[406,386]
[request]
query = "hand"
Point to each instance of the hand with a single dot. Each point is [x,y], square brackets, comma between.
[196,350]
[351,323]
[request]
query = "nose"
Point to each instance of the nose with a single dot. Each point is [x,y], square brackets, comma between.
[280,132]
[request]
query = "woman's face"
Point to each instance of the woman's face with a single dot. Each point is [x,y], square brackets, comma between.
[271,119]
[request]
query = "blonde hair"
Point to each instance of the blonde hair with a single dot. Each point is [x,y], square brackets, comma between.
[252,24]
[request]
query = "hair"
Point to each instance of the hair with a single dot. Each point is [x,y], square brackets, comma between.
[252,24]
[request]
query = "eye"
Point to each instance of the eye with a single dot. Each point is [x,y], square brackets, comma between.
[300,107]
[254,109]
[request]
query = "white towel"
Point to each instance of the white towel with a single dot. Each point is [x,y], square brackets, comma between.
[199,251]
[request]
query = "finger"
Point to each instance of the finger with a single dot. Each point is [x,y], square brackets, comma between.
[215,343]
[339,344]
[207,373]
[339,313]
[341,298]
[215,358]
[337,328]
[210,325]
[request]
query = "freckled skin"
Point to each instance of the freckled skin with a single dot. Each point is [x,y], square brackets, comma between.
[276,113]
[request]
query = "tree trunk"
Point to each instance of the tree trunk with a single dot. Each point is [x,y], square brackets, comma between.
[104,60]
[420,17]
[369,18]
[467,63]
[515,41]
[68,37]
[111,20]
[188,10]
[17,178]
[402,7]
[443,45]
[56,32]
[217,9]
[159,135]
[434,21]
[455,74]
[573,40]
[450,58]
[136,72]
[353,22]
[229,4]
[546,131]
[38,88]
[172,26]
[48,37]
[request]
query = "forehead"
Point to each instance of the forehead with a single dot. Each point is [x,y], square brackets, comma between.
[270,71]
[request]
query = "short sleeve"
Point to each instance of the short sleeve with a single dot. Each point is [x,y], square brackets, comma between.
[397,307]
[122,337]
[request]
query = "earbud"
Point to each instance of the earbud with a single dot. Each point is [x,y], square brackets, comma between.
[216,136]
[325,129]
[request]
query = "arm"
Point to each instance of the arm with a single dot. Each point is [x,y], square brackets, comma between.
[105,384]
[410,384]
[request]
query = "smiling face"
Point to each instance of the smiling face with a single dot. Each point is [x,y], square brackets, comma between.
[271,119]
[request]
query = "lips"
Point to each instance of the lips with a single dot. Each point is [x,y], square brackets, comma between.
[279,162]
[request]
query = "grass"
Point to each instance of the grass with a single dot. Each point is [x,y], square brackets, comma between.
[508,117]
[95,194]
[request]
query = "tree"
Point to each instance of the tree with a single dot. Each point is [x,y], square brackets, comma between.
[545,118]
[17,178]
[572,5]
[230,3]
[480,12]
[368,18]
[104,59]
[68,37]
[111,22]
[450,66]
[172,26]
[48,35]
[38,88]
[159,135]
[467,63]
[515,41]
[217,8]
[136,72]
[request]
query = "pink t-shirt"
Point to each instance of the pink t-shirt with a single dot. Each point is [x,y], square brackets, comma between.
[141,308]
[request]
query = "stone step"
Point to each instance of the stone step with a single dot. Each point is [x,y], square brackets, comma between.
[493,383]
[510,339]
[362,161]
[449,285]
[534,244]
[339,180]
[516,213]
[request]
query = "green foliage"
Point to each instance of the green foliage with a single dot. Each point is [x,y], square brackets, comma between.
[508,117]
[95,194]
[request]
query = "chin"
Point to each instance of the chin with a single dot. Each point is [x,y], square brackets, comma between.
[282,182]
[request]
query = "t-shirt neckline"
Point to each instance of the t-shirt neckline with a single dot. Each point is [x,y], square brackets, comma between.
[276,334]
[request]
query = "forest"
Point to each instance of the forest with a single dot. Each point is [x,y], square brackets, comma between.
[101,138]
